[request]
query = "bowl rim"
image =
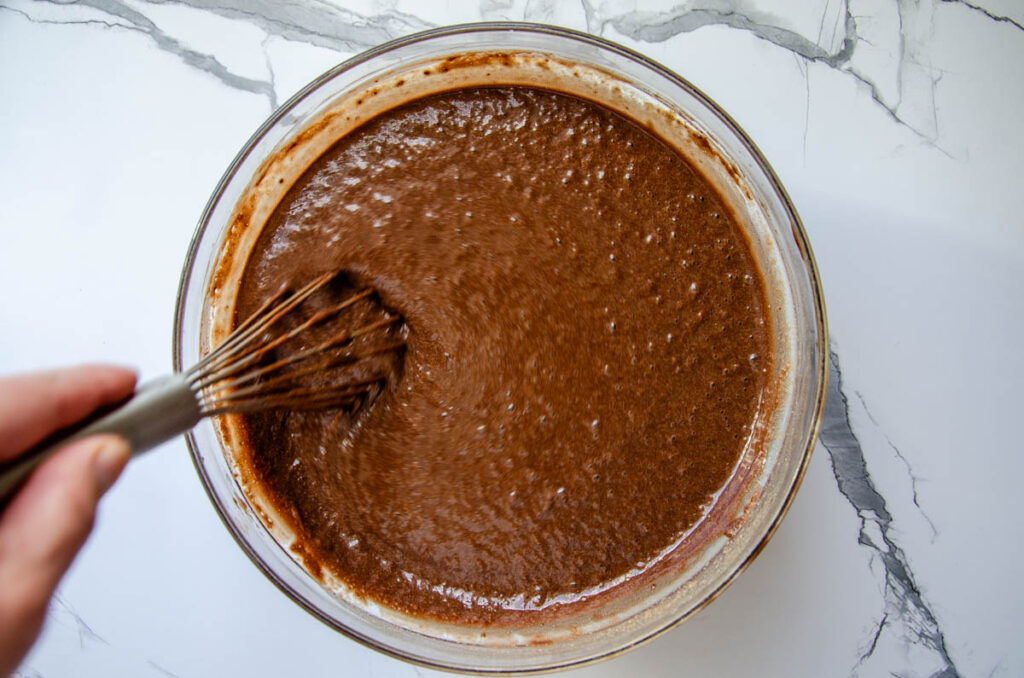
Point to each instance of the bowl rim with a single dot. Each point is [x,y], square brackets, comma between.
[799,236]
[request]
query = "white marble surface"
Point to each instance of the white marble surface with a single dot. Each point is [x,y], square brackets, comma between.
[896,127]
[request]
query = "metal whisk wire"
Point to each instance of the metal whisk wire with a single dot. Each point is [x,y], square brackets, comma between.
[231,378]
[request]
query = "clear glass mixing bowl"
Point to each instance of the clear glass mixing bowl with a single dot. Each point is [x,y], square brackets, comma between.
[674,107]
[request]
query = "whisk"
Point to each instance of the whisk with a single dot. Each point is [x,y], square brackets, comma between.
[243,374]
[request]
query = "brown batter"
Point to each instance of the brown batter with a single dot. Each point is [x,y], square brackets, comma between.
[587,349]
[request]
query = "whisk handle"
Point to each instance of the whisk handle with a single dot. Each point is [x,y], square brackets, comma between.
[159,410]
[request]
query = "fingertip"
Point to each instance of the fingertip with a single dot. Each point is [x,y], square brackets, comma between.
[109,459]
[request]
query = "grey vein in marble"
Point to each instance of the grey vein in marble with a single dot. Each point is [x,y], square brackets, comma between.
[160,669]
[85,633]
[914,479]
[133,20]
[270,72]
[660,26]
[69,22]
[905,610]
[989,14]
[874,640]
[315,23]
[910,102]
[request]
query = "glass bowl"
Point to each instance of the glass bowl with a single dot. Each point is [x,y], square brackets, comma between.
[753,501]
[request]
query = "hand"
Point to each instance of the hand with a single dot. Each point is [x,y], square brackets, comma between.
[48,520]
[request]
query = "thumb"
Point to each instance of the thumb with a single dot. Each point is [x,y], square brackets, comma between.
[46,524]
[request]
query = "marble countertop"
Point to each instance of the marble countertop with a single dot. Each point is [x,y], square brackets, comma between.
[895,126]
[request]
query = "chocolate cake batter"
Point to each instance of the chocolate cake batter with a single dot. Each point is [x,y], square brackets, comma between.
[586,355]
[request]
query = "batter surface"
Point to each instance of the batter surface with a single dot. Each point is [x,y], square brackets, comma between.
[586,355]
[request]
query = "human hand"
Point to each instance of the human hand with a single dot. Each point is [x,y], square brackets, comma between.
[48,520]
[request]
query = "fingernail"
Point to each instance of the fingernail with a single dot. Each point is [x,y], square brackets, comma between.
[109,462]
